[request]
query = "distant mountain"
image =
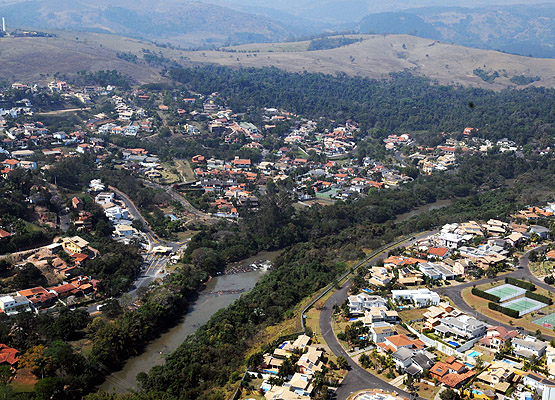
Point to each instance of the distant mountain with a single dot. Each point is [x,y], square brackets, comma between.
[518,29]
[185,23]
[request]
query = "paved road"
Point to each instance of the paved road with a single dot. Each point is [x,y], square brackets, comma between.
[358,378]
[523,273]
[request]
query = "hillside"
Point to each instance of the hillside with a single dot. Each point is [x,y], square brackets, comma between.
[372,56]
[184,23]
[378,55]
[38,59]
[517,29]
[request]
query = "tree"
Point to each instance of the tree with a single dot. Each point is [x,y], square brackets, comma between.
[449,394]
[6,376]
[342,362]
[35,359]
[49,388]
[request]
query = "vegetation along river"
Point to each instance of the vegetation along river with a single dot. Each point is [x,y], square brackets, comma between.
[220,292]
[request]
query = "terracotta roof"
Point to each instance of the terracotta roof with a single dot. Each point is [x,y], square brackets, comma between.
[4,234]
[453,380]
[8,355]
[438,251]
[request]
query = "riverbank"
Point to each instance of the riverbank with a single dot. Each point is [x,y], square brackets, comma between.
[218,292]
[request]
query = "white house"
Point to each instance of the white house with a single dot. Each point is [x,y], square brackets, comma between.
[529,346]
[545,387]
[116,213]
[104,198]
[420,297]
[14,304]
[362,301]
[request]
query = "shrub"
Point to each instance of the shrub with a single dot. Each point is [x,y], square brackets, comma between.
[519,283]
[539,297]
[485,295]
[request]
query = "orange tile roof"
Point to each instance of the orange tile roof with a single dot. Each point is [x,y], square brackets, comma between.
[8,355]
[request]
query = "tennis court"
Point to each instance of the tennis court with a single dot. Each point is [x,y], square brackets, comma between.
[548,321]
[524,305]
[506,292]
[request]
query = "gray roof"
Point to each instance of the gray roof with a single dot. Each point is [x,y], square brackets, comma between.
[403,354]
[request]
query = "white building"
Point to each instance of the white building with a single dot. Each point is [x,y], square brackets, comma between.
[529,346]
[14,304]
[362,301]
[104,198]
[420,297]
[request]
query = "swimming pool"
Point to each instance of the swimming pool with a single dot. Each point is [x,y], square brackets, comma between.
[452,343]
[474,354]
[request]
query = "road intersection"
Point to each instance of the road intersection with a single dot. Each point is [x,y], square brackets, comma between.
[359,378]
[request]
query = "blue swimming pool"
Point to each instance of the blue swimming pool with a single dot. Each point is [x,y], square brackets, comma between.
[474,354]
[452,343]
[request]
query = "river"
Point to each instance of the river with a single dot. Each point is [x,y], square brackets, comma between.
[422,209]
[220,292]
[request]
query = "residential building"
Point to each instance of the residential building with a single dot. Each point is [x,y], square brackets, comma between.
[497,336]
[8,356]
[545,387]
[75,244]
[420,297]
[462,326]
[529,346]
[362,301]
[380,330]
[396,342]
[499,375]
[451,373]
[14,304]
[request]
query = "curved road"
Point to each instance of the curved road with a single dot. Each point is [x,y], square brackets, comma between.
[523,273]
[359,378]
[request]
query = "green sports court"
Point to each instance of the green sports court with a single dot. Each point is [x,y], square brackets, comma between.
[506,292]
[548,321]
[524,305]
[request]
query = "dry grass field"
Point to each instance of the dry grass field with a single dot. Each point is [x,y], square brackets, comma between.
[375,56]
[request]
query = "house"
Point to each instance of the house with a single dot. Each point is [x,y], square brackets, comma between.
[451,373]
[409,277]
[539,230]
[39,297]
[300,384]
[379,314]
[77,204]
[529,346]
[14,304]
[4,234]
[65,290]
[122,230]
[497,336]
[396,342]
[380,330]
[550,360]
[541,384]
[8,356]
[420,297]
[499,375]
[439,252]
[75,244]
[104,198]
[379,276]
[463,326]
[363,301]
[436,271]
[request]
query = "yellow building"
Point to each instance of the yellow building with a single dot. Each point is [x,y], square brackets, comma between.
[75,244]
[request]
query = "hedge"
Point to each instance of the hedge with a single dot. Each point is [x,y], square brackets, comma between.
[539,297]
[485,295]
[519,283]
[504,310]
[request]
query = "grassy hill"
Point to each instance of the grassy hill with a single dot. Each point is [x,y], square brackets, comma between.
[376,56]
[372,56]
